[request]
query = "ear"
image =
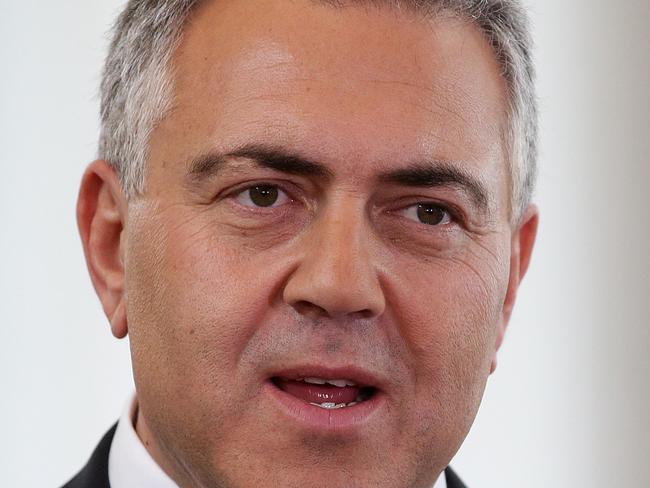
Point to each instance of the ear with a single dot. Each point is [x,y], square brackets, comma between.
[101,217]
[521,248]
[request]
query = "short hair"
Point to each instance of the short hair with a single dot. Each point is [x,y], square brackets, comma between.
[137,85]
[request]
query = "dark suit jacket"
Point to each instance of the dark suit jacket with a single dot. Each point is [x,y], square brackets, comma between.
[95,473]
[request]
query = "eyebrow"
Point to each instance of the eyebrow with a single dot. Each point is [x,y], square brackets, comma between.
[420,174]
[432,174]
[278,159]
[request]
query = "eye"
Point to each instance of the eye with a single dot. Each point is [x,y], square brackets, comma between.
[428,213]
[262,196]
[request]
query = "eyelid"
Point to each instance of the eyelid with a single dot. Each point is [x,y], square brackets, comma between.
[456,212]
[450,219]
[239,190]
[279,202]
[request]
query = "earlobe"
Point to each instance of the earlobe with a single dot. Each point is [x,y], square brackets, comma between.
[522,243]
[118,320]
[101,217]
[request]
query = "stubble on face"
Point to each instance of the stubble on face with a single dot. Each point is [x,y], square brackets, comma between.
[220,297]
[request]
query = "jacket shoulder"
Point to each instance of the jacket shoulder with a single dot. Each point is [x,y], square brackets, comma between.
[453,481]
[95,473]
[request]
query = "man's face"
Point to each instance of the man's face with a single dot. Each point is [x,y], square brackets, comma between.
[327,198]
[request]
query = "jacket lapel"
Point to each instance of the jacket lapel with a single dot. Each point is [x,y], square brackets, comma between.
[95,473]
[453,481]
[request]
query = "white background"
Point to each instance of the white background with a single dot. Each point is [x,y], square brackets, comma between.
[570,402]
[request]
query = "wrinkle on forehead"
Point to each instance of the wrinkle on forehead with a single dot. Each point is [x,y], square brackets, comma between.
[267,55]
[394,86]
[401,57]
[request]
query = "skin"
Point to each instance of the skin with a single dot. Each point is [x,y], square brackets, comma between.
[217,294]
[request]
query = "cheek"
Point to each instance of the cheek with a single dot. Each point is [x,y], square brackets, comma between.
[193,302]
[448,310]
[195,297]
[176,296]
[450,314]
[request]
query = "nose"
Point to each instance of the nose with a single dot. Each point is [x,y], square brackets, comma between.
[335,276]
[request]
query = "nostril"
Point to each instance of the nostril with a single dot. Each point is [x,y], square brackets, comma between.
[365,314]
[314,311]
[311,310]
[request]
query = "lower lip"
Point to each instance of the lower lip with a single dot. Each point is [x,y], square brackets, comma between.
[326,420]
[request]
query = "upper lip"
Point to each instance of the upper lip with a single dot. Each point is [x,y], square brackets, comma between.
[362,377]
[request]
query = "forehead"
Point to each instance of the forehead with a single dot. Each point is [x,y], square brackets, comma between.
[341,84]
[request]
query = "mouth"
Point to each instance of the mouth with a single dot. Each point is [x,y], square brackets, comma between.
[325,393]
[327,399]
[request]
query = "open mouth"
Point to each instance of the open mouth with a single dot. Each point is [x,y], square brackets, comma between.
[326,393]
[325,399]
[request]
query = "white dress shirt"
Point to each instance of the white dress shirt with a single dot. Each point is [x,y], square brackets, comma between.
[130,464]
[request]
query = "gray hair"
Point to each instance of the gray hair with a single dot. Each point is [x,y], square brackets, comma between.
[136,88]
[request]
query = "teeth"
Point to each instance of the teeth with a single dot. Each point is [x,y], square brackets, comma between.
[315,381]
[321,381]
[340,383]
[332,406]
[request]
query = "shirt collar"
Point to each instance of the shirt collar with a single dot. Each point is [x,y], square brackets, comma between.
[130,464]
[442,481]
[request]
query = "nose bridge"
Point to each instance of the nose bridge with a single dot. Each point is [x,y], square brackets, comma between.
[336,275]
[339,250]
